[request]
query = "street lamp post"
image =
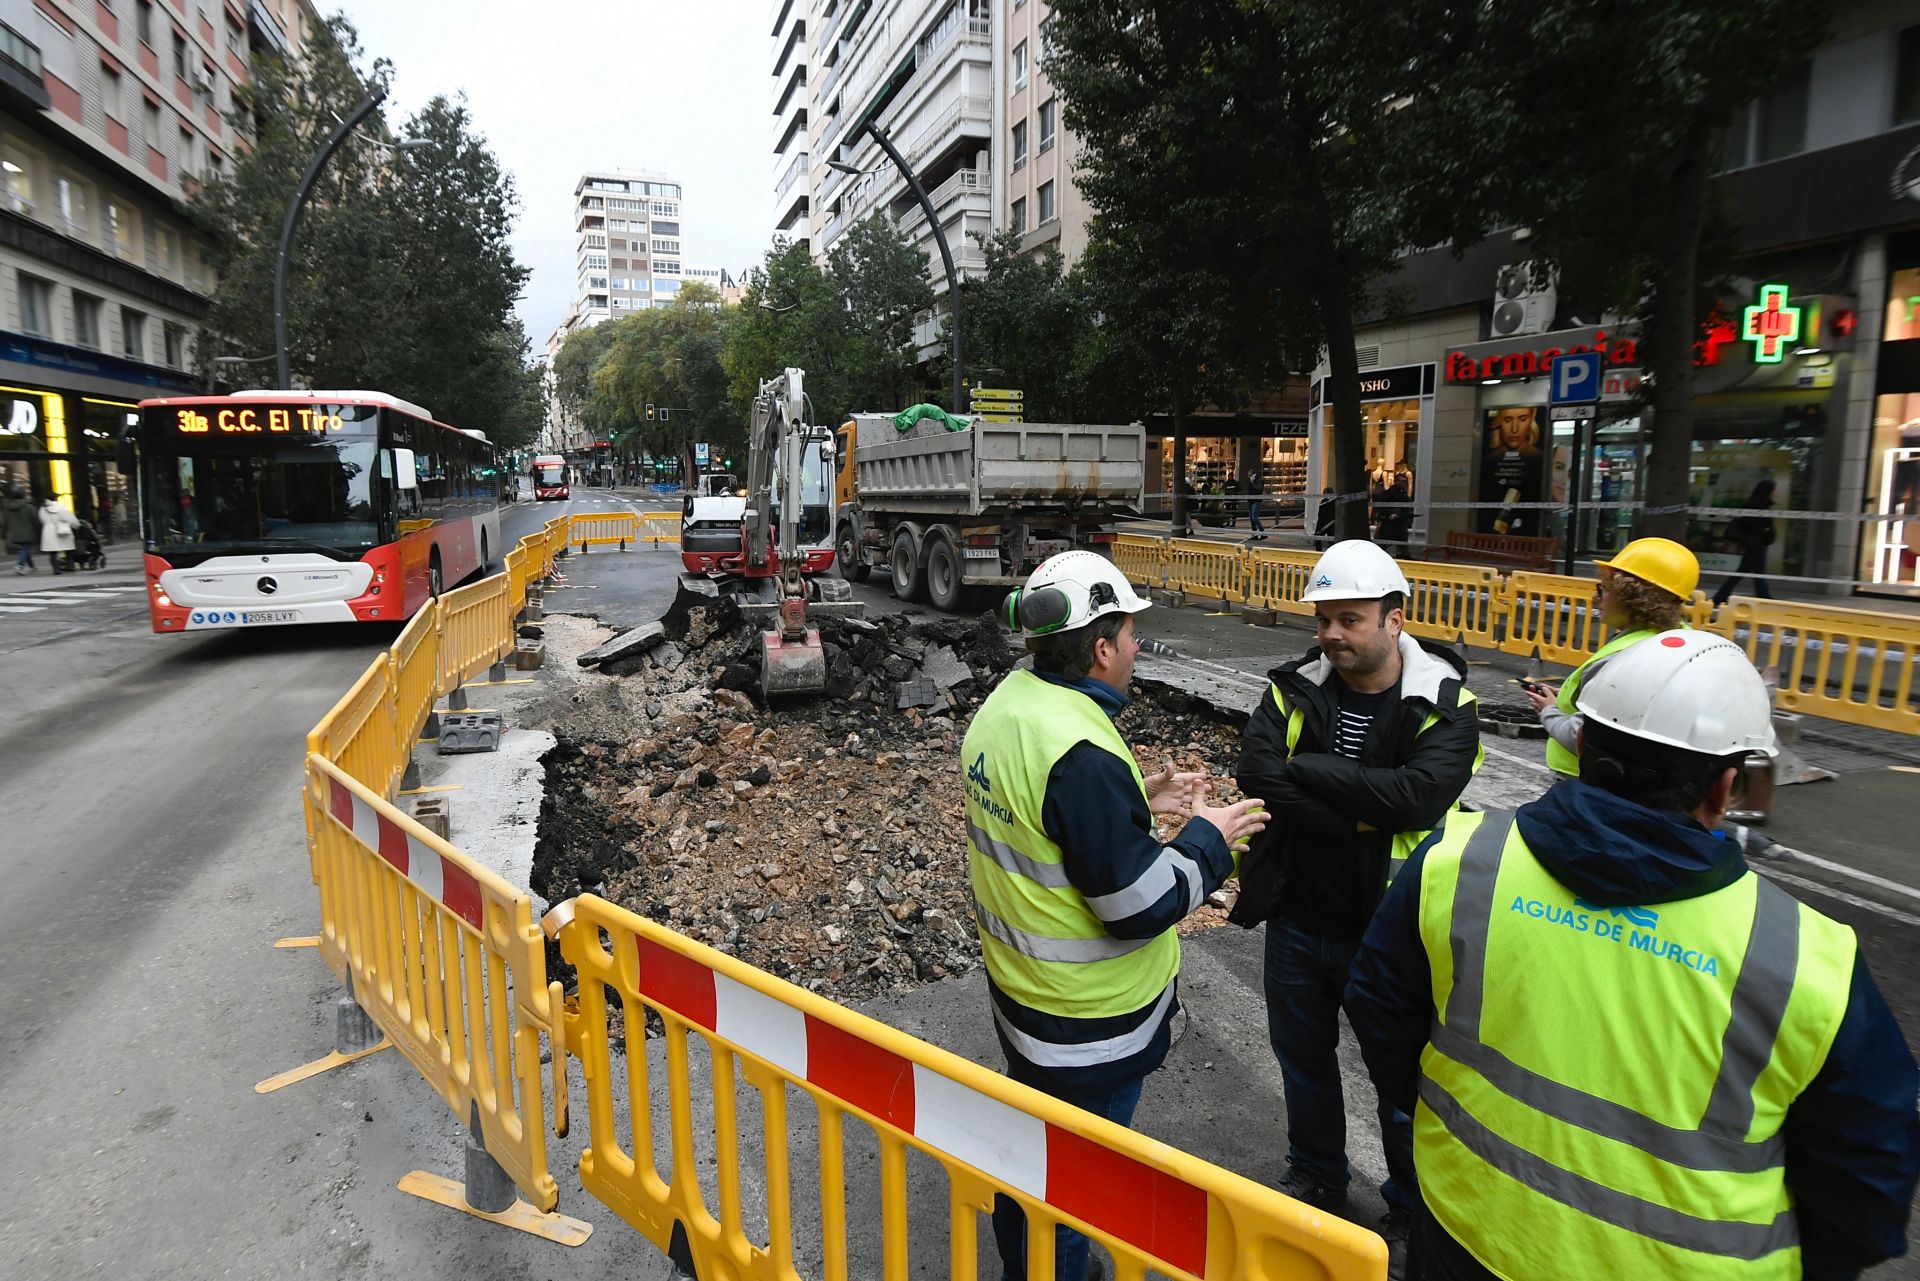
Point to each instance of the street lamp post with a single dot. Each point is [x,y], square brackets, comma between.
[879,135]
[294,210]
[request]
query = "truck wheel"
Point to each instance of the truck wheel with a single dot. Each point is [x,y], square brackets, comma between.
[944,586]
[846,553]
[909,582]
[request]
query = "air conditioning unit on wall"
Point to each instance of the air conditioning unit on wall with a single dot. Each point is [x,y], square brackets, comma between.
[1520,305]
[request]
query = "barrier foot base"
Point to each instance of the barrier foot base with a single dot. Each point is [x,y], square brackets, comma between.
[558,1228]
[333,1060]
[298,940]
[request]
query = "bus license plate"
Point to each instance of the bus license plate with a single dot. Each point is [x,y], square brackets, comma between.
[270,616]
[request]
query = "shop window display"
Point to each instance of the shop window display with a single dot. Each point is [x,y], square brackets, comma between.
[1890,550]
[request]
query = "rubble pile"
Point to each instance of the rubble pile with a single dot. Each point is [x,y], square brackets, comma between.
[821,839]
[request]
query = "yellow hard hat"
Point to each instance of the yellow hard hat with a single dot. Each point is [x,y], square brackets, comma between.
[1660,561]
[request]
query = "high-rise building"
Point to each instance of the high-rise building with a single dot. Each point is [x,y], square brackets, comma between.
[627,244]
[922,73]
[1038,197]
[111,114]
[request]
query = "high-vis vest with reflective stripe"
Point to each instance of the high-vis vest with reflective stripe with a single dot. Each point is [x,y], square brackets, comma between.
[1404,843]
[1603,1090]
[1560,759]
[1043,944]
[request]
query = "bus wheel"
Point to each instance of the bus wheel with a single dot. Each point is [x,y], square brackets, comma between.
[486,554]
[435,583]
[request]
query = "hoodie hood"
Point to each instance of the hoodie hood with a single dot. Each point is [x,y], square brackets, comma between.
[1425,668]
[1618,853]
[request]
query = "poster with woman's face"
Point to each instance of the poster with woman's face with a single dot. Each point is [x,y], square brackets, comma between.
[1511,471]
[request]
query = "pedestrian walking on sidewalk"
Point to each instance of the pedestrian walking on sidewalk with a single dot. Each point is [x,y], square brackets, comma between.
[23,529]
[1256,498]
[1360,747]
[1641,592]
[1752,535]
[1075,894]
[1627,1055]
[56,532]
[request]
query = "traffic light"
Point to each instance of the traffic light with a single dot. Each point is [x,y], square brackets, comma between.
[664,411]
[649,411]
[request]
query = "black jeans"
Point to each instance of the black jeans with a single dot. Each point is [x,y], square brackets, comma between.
[1753,564]
[1306,980]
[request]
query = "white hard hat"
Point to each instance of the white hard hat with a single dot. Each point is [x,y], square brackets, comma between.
[1686,689]
[1070,590]
[1354,570]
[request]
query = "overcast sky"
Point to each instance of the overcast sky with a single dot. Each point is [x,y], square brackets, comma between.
[679,86]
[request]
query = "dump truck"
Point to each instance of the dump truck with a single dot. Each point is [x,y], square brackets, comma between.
[953,508]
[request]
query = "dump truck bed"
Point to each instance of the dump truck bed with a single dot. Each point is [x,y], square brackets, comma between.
[995,466]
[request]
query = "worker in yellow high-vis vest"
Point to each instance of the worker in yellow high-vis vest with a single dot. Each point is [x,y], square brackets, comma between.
[1075,895]
[1641,591]
[1629,1055]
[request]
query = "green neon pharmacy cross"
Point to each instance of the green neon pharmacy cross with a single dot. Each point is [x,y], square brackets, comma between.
[1771,324]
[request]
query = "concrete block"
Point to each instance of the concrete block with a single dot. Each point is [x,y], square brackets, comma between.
[469,732]
[529,655]
[1172,598]
[1259,617]
[435,813]
[627,644]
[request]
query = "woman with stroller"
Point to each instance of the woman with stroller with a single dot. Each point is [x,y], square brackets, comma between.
[56,532]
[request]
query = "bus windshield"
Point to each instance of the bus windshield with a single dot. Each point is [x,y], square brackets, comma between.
[215,495]
[550,474]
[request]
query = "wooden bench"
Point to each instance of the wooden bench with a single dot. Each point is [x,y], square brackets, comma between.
[1507,551]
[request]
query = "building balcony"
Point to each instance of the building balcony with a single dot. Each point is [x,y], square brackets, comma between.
[796,38]
[23,81]
[969,183]
[794,84]
[795,172]
[794,123]
[795,212]
[970,115]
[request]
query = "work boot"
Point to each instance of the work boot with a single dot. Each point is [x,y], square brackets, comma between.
[1309,1190]
[1395,1231]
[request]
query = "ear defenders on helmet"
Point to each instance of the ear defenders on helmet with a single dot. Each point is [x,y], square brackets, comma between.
[1041,610]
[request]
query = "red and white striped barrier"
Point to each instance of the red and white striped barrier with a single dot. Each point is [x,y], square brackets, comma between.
[1149,1209]
[432,873]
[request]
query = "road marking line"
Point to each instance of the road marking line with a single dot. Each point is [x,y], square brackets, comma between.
[21,609]
[58,598]
[1854,900]
[1790,855]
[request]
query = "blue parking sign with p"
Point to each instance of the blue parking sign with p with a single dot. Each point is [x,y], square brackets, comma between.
[1575,379]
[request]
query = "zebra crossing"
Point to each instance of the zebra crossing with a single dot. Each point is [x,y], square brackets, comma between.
[52,600]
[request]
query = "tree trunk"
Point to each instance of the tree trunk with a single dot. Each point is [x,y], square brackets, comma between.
[1671,330]
[1342,390]
[1180,528]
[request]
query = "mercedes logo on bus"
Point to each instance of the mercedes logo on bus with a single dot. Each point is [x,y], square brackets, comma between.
[268,586]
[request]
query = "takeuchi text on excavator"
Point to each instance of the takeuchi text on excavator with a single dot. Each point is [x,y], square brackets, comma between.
[767,550]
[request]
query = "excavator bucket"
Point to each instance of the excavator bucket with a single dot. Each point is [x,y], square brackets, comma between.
[797,666]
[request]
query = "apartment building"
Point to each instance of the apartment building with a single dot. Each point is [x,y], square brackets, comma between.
[111,113]
[1037,197]
[627,248]
[922,71]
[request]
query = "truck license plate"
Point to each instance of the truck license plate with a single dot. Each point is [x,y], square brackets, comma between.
[982,553]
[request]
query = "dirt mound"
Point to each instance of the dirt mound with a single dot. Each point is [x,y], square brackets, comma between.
[821,839]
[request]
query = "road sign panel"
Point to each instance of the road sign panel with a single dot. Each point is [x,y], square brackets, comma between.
[1575,378]
[700,454]
[996,393]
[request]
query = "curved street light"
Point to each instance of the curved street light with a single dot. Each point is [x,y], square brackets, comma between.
[879,135]
[294,210]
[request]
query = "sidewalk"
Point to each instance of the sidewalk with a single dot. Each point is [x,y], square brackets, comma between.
[124,569]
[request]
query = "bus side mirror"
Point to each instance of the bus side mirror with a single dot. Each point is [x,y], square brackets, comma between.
[404,475]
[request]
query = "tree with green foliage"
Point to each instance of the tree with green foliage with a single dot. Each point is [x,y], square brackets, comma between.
[670,357]
[577,395]
[1500,128]
[1229,151]
[791,315]
[882,278]
[401,276]
[1024,322]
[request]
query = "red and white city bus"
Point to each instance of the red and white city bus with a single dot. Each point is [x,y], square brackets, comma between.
[274,507]
[550,478]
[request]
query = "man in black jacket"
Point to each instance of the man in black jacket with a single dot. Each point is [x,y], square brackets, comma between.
[1359,748]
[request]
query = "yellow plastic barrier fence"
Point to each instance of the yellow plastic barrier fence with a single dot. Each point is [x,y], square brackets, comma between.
[445,957]
[476,630]
[586,529]
[1561,615]
[1277,578]
[415,659]
[1446,602]
[1208,569]
[518,566]
[1847,665]
[1152,1206]
[660,527]
[358,734]
[556,539]
[1142,559]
